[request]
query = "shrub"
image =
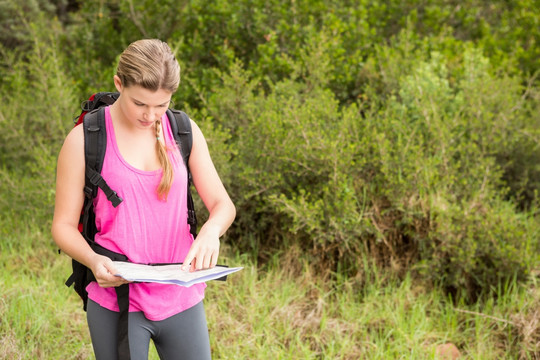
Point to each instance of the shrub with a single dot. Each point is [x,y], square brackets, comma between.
[37,105]
[440,135]
[412,179]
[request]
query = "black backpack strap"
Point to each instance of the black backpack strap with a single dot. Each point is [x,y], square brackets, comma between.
[122,296]
[181,129]
[95,145]
[96,179]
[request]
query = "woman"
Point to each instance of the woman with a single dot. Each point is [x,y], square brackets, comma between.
[143,165]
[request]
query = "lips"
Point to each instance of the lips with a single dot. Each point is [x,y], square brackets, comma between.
[146,123]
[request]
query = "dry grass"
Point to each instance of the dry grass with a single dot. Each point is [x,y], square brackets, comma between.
[283,310]
[526,326]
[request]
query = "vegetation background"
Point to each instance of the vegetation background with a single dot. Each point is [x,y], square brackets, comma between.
[383,156]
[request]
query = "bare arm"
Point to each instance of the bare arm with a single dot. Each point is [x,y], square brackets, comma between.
[205,250]
[68,204]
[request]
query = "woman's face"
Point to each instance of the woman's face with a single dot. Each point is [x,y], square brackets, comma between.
[142,107]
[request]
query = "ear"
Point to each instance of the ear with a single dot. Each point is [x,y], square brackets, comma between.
[118,83]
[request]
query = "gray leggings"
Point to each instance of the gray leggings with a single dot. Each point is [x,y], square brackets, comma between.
[181,336]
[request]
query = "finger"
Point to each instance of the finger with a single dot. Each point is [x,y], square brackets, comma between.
[111,269]
[188,260]
[199,261]
[117,281]
[107,277]
[207,260]
[102,275]
[106,280]
[214,259]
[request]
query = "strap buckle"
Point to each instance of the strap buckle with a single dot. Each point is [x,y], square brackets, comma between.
[88,192]
[114,198]
[95,178]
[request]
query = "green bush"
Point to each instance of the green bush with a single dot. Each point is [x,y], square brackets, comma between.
[404,132]
[411,179]
[440,136]
[15,17]
[37,105]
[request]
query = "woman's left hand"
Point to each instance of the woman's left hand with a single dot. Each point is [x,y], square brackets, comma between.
[204,251]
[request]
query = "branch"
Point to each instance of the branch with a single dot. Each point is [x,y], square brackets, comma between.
[485,316]
[135,19]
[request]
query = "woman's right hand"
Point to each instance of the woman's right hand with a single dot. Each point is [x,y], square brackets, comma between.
[103,269]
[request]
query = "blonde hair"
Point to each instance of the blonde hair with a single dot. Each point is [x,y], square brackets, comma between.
[151,64]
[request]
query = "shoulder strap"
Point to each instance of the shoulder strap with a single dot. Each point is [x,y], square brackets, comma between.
[95,145]
[181,129]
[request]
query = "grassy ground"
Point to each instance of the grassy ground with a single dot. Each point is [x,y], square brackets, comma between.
[272,313]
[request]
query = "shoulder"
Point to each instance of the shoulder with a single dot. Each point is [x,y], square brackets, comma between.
[75,136]
[199,144]
[73,147]
[194,126]
[196,131]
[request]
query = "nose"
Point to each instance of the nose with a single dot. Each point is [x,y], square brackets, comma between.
[150,114]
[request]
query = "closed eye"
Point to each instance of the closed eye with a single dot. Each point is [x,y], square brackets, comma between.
[164,105]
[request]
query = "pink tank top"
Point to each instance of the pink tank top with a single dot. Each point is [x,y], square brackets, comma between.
[145,229]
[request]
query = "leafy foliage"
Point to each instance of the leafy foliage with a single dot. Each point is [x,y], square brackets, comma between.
[401,131]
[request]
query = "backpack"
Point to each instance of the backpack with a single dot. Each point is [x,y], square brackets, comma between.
[92,118]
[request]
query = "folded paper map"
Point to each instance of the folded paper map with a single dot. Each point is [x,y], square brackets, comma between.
[170,274]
